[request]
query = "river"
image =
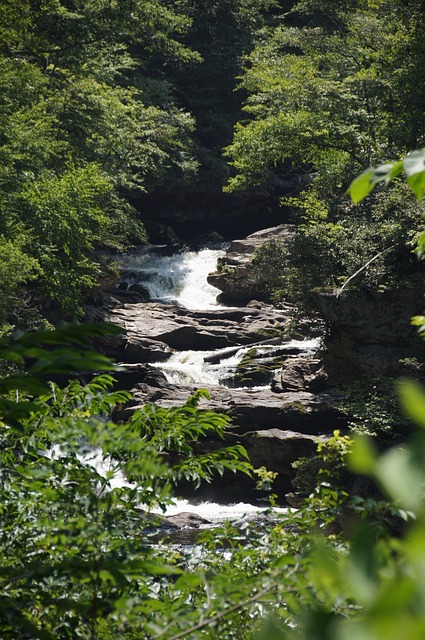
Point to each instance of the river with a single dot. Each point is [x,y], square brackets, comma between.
[181,279]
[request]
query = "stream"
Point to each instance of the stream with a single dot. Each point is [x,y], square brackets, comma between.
[181,279]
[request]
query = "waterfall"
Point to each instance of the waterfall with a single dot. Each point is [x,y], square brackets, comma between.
[193,367]
[180,278]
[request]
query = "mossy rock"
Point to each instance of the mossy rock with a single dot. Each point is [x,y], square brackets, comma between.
[256,367]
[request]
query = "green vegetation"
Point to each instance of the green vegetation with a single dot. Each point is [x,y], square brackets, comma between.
[79,135]
[100,102]
[103,102]
[80,556]
[330,92]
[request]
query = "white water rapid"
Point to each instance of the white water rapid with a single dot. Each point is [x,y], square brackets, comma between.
[218,513]
[180,278]
[193,367]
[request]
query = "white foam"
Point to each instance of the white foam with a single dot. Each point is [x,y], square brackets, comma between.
[180,278]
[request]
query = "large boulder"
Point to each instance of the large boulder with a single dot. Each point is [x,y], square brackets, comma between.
[278,449]
[300,374]
[237,278]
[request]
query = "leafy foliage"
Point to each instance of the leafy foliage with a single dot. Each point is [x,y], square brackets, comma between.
[373,409]
[79,549]
[79,138]
[326,97]
[77,552]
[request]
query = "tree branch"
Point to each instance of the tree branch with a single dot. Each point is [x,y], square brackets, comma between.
[381,253]
[222,614]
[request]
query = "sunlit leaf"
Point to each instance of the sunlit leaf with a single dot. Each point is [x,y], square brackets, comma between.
[362,455]
[412,396]
[401,479]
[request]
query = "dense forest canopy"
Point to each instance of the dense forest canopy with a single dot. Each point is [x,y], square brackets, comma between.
[80,133]
[331,91]
[103,101]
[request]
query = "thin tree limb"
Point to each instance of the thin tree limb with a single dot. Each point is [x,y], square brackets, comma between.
[378,255]
[222,614]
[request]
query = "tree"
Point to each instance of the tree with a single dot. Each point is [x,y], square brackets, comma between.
[325,100]
[71,116]
[77,552]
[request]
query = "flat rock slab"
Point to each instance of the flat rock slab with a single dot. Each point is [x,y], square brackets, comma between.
[154,330]
[250,409]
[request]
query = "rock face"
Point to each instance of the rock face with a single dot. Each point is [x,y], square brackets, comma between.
[237,277]
[278,422]
[154,330]
[300,374]
[285,420]
[368,337]
[277,449]
[259,409]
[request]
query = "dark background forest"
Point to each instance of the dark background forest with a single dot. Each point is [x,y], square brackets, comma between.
[120,119]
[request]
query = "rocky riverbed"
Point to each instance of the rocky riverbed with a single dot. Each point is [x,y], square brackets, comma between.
[275,388]
[271,385]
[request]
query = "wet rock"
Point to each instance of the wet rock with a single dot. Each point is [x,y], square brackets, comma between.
[133,374]
[168,236]
[214,238]
[181,528]
[153,330]
[300,374]
[185,519]
[237,278]
[140,289]
[250,409]
[277,449]
[261,361]
[136,348]
[222,354]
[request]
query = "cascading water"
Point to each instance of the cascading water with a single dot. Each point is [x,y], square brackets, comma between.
[190,367]
[195,368]
[180,278]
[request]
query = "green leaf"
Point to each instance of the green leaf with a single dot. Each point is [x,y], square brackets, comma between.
[419,321]
[361,569]
[401,478]
[414,166]
[152,568]
[414,162]
[417,184]
[412,397]
[361,186]
[396,169]
[272,629]
[362,456]
[189,581]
